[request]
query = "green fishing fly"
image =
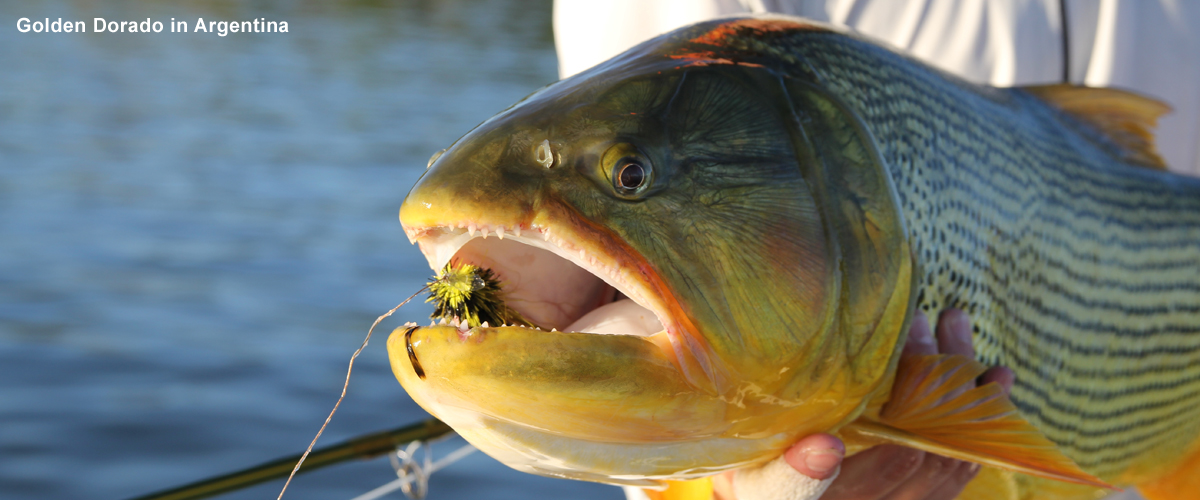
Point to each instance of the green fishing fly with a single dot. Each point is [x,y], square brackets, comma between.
[471,294]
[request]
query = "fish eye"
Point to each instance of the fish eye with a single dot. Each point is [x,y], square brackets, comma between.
[628,170]
[629,175]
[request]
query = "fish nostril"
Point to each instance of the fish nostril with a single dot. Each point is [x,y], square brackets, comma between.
[412,356]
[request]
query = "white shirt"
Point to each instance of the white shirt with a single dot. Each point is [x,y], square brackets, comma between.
[1148,46]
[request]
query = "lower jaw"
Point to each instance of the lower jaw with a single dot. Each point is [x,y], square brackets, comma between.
[629,464]
[646,464]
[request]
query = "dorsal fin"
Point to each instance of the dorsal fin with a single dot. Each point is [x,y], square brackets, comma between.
[1127,119]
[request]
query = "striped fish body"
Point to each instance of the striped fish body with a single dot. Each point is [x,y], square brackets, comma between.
[1080,271]
[774,197]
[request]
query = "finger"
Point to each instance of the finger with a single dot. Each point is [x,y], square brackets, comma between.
[954,337]
[778,480]
[722,486]
[934,471]
[957,482]
[920,339]
[817,456]
[1000,375]
[954,333]
[874,473]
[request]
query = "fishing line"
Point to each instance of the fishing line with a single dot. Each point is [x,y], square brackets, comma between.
[464,292]
[413,477]
[344,387]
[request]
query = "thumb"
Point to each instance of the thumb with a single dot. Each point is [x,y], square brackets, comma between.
[817,456]
[802,473]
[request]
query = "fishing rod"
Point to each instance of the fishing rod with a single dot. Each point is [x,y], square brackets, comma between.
[362,447]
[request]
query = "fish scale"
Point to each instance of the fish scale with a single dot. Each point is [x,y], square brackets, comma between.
[1079,272]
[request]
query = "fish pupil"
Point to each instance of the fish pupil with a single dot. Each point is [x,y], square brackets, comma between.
[631,176]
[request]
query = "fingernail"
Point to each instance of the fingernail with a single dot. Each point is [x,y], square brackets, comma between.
[919,331]
[921,336]
[958,321]
[822,461]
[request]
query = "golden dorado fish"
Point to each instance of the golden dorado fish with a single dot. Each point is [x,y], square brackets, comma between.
[725,232]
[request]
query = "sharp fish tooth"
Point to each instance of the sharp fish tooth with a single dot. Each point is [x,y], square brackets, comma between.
[546,235]
[517,231]
[500,232]
[484,231]
[485,325]
[471,229]
[442,321]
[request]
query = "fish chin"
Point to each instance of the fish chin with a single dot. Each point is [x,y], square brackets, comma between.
[548,280]
[532,450]
[535,452]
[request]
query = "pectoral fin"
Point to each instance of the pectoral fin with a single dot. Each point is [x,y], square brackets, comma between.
[980,425]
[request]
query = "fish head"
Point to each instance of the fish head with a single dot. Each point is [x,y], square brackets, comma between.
[713,253]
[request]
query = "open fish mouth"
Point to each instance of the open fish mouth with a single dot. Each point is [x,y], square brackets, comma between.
[555,281]
[608,388]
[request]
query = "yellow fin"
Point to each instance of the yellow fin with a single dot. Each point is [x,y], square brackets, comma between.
[1180,484]
[980,425]
[1127,119]
[695,489]
[992,484]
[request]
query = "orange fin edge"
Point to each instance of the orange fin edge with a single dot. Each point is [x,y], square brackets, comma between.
[1126,118]
[979,425]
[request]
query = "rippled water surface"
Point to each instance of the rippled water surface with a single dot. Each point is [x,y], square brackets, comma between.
[196,231]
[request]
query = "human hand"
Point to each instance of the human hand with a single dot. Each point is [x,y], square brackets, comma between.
[890,472]
[897,473]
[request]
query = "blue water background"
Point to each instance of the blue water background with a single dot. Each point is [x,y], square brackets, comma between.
[196,232]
